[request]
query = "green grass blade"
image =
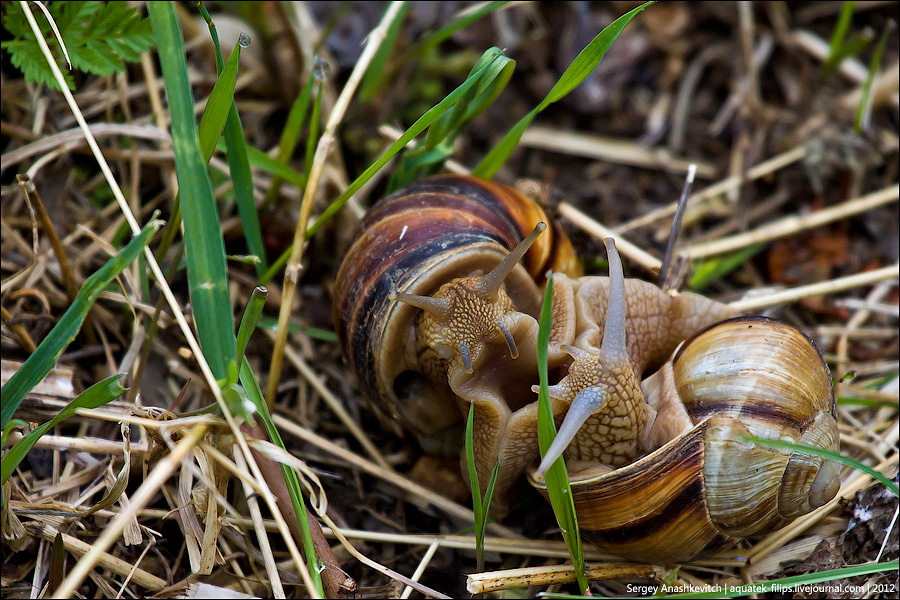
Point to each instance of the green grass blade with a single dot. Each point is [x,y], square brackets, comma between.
[290,135]
[838,35]
[375,73]
[97,395]
[238,162]
[312,137]
[249,320]
[828,454]
[429,156]
[715,268]
[255,395]
[865,102]
[475,488]
[264,162]
[216,111]
[425,121]
[577,72]
[558,488]
[206,264]
[49,350]
[779,586]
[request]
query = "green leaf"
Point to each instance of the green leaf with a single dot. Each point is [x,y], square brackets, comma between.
[206,262]
[559,489]
[98,36]
[218,105]
[49,350]
[715,268]
[862,111]
[827,454]
[577,72]
[425,121]
[97,395]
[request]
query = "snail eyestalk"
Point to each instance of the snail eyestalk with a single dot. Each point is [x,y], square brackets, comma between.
[490,283]
[439,307]
[613,349]
[510,341]
[586,402]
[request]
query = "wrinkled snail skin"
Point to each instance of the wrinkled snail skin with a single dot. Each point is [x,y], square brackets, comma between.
[414,241]
[708,485]
[653,392]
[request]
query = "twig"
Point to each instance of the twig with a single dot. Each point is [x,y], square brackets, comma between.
[761,170]
[818,289]
[292,270]
[600,231]
[794,223]
[480,583]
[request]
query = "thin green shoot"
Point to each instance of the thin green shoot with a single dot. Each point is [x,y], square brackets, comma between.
[573,76]
[710,271]
[205,249]
[238,162]
[480,507]
[864,110]
[559,490]
[99,394]
[290,135]
[52,346]
[830,454]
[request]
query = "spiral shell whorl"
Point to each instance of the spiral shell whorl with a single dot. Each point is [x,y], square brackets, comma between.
[753,376]
[413,241]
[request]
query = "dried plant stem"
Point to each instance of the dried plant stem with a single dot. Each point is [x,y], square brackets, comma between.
[795,223]
[107,561]
[610,150]
[157,477]
[292,270]
[19,330]
[600,231]
[32,195]
[390,476]
[761,170]
[480,583]
[77,575]
[423,564]
[818,289]
[256,516]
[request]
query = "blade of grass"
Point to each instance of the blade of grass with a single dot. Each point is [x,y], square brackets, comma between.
[865,103]
[216,111]
[428,157]
[206,266]
[828,454]
[714,269]
[290,135]
[264,162]
[255,395]
[481,509]
[576,73]
[51,348]
[836,48]
[461,20]
[97,395]
[312,137]
[558,488]
[375,74]
[430,116]
[238,162]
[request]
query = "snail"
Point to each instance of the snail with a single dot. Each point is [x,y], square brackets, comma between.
[434,313]
[692,482]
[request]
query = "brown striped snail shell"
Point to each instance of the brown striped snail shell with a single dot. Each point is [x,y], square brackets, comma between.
[414,241]
[701,483]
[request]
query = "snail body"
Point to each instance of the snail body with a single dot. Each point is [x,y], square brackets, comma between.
[434,314]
